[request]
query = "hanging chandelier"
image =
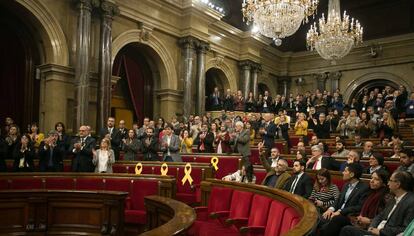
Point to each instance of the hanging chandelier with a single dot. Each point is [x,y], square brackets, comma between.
[277,19]
[336,37]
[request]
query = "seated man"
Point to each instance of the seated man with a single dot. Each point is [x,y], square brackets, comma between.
[353,157]
[397,215]
[340,149]
[407,161]
[357,140]
[277,176]
[318,161]
[300,183]
[367,150]
[349,202]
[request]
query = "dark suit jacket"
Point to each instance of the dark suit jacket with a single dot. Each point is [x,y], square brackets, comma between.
[208,142]
[57,158]
[150,151]
[28,156]
[399,219]
[322,130]
[116,138]
[303,187]
[269,136]
[355,200]
[327,163]
[82,161]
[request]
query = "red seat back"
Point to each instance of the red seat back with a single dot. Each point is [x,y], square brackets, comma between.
[240,204]
[89,183]
[140,189]
[220,199]
[290,218]
[259,210]
[260,175]
[59,183]
[275,218]
[121,184]
[4,184]
[26,183]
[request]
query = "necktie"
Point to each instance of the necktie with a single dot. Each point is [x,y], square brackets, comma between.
[51,158]
[293,186]
[315,165]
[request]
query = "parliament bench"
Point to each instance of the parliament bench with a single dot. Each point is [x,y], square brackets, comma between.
[185,192]
[137,187]
[230,208]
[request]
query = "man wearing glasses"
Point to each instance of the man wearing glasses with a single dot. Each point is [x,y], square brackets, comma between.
[82,150]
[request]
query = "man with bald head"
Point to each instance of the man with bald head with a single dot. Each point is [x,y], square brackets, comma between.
[81,148]
[276,177]
[268,131]
[367,150]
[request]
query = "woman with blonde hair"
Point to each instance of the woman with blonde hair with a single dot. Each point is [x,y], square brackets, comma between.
[301,127]
[387,126]
[104,157]
[186,142]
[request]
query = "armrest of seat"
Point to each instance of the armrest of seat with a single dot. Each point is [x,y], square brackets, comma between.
[219,214]
[128,203]
[252,230]
[200,209]
[238,222]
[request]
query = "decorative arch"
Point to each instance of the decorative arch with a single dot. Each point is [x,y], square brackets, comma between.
[269,83]
[356,83]
[56,48]
[219,63]
[166,64]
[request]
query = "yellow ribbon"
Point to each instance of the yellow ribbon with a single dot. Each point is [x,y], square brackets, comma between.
[138,170]
[187,176]
[164,169]
[214,162]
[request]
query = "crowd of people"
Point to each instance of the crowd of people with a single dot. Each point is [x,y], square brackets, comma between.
[381,207]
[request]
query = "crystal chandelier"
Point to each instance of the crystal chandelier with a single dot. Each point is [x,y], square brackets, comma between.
[336,37]
[277,19]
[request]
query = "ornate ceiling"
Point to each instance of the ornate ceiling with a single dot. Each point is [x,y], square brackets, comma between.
[380,18]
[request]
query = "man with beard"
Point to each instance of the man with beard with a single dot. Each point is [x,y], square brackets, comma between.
[150,145]
[340,149]
[300,183]
[277,176]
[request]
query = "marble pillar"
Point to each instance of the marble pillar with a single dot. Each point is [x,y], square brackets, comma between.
[107,10]
[255,76]
[188,45]
[201,48]
[334,77]
[83,41]
[246,67]
[321,81]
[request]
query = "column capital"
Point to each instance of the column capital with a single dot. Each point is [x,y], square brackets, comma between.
[256,67]
[84,4]
[108,9]
[246,64]
[320,76]
[336,75]
[188,41]
[202,46]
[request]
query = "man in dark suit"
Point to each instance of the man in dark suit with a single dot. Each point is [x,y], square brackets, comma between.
[397,215]
[82,149]
[300,183]
[241,141]
[318,161]
[150,145]
[113,134]
[51,154]
[170,145]
[349,202]
[268,131]
[205,140]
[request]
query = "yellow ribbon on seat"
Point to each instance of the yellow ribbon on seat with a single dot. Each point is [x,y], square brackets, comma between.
[138,168]
[164,169]
[187,176]
[214,162]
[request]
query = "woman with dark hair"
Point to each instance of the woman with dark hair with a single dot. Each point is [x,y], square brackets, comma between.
[324,193]
[63,140]
[131,146]
[12,139]
[365,127]
[35,136]
[244,175]
[222,140]
[23,155]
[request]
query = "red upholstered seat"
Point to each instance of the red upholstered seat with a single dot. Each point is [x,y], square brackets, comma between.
[188,193]
[275,219]
[219,200]
[139,189]
[59,183]
[339,182]
[113,184]
[260,175]
[4,184]
[89,183]
[255,156]
[119,168]
[290,219]
[26,183]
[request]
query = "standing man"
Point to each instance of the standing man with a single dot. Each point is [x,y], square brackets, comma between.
[150,145]
[113,134]
[82,150]
[268,131]
[170,145]
[241,141]
[51,154]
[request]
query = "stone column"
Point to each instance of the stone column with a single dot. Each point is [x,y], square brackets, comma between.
[320,81]
[245,67]
[335,76]
[255,71]
[188,45]
[284,85]
[202,48]
[108,10]
[83,41]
